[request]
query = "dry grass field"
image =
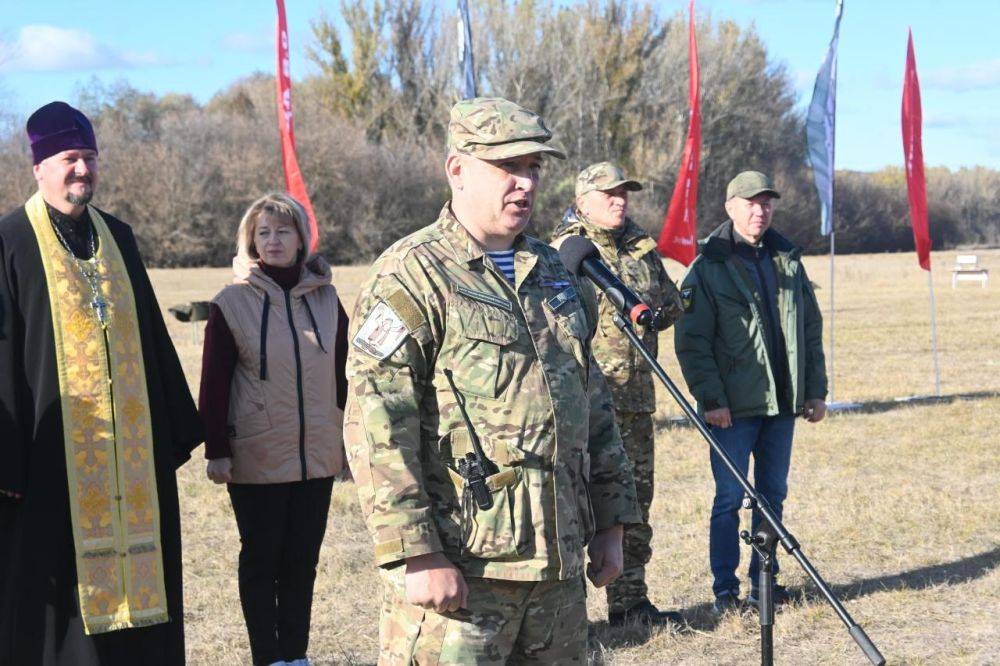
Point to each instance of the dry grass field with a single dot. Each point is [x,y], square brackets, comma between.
[896,509]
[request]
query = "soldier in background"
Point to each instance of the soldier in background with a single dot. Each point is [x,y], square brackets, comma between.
[475,301]
[600,214]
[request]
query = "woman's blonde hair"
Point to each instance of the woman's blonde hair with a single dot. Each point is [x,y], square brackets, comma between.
[277,205]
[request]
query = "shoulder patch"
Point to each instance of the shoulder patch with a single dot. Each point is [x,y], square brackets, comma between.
[687,298]
[382,332]
[403,305]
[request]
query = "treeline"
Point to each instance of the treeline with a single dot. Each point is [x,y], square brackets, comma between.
[610,79]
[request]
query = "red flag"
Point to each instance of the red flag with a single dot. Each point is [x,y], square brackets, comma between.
[678,239]
[294,183]
[913,153]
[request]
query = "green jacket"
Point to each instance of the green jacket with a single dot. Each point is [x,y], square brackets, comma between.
[632,256]
[720,339]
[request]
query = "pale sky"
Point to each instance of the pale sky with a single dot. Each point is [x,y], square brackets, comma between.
[53,48]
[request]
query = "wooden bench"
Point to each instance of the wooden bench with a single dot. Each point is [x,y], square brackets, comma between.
[967,269]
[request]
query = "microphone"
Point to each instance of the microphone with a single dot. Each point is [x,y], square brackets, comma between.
[581,258]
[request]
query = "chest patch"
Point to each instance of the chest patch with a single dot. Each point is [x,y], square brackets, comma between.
[553,283]
[687,298]
[381,333]
[562,298]
[483,297]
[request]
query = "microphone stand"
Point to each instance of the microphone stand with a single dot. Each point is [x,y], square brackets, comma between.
[770,531]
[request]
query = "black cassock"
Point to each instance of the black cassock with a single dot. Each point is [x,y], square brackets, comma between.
[39,608]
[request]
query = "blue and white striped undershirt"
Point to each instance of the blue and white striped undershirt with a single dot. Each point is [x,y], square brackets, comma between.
[504,259]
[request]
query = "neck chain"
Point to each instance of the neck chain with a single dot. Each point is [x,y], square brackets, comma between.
[91,272]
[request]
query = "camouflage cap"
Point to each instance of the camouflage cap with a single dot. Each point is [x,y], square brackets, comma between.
[604,176]
[749,184]
[492,128]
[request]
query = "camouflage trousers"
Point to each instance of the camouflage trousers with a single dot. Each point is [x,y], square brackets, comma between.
[506,622]
[630,588]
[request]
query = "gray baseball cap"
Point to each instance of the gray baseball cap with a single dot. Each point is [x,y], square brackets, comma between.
[749,184]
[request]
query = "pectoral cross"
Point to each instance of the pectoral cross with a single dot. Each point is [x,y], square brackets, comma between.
[100,307]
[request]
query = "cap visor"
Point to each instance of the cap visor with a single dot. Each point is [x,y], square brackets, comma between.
[515,149]
[750,194]
[630,185]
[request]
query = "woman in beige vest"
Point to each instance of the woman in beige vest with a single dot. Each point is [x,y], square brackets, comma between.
[272,397]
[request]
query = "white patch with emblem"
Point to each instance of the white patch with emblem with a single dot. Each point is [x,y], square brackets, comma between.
[382,332]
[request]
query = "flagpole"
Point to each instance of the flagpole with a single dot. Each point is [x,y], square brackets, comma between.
[832,314]
[295,184]
[916,186]
[465,56]
[821,130]
[934,349]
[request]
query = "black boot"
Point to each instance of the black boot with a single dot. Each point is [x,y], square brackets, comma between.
[645,612]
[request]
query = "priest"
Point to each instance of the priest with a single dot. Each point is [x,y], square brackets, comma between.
[95,419]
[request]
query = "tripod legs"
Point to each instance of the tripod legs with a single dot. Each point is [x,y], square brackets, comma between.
[770,520]
[765,542]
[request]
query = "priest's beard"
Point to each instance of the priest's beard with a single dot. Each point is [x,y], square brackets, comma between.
[81,199]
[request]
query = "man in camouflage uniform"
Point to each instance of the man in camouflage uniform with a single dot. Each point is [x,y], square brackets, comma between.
[462,584]
[599,213]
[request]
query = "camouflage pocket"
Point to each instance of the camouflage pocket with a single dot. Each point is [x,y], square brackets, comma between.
[574,324]
[474,348]
[500,531]
[572,337]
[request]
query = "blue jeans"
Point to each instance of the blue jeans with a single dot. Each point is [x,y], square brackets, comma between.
[769,439]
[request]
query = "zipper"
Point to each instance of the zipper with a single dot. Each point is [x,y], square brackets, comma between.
[516,301]
[298,385]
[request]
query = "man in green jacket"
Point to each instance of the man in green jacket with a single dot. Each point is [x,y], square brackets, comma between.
[750,346]
[599,213]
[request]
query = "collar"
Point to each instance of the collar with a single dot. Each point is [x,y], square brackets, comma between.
[467,249]
[78,233]
[311,274]
[64,220]
[630,237]
[744,248]
[285,276]
[721,243]
[463,246]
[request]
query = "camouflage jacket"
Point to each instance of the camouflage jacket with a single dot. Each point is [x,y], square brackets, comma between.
[631,255]
[520,357]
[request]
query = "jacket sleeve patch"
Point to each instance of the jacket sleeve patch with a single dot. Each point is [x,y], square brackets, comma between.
[687,299]
[382,332]
[404,305]
[562,298]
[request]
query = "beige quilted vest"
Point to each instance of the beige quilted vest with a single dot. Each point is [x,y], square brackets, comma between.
[284,421]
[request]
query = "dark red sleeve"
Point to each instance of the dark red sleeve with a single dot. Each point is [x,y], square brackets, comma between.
[340,355]
[218,363]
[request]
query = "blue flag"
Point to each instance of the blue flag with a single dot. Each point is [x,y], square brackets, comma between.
[465,51]
[821,126]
